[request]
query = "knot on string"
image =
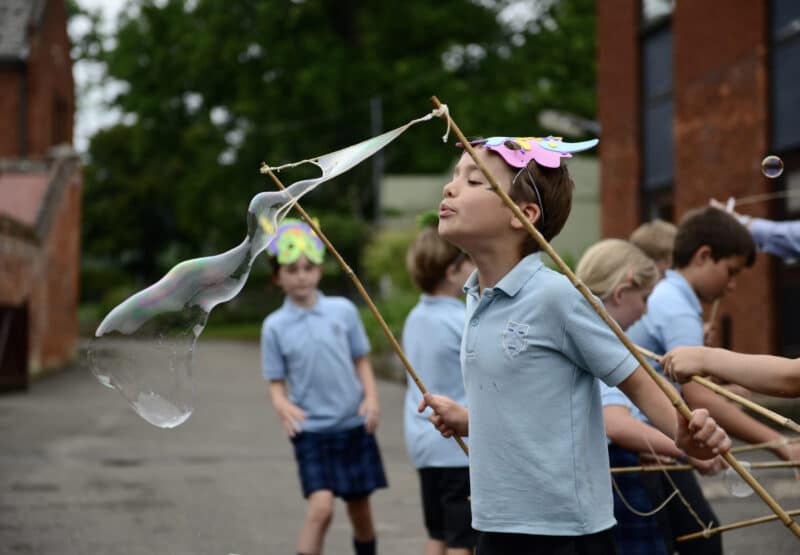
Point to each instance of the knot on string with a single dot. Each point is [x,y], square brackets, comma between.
[443,112]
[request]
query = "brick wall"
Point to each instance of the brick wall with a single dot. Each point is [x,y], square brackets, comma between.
[59,332]
[10,79]
[720,65]
[50,96]
[51,88]
[619,113]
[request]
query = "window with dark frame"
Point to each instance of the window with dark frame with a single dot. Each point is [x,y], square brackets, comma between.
[657,139]
[785,142]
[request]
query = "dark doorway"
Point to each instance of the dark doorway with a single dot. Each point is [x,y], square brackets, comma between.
[13,348]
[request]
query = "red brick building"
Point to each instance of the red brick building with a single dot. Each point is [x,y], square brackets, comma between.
[40,187]
[692,96]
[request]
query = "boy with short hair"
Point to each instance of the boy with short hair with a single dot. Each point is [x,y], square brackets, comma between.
[657,239]
[711,248]
[531,352]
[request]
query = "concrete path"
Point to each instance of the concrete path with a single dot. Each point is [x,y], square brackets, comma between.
[81,473]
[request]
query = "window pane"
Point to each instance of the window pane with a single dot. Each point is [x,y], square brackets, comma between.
[786,95]
[654,10]
[657,149]
[785,18]
[657,64]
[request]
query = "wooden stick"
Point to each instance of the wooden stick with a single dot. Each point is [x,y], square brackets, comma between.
[675,467]
[765,445]
[733,526]
[363,292]
[747,403]
[714,309]
[668,390]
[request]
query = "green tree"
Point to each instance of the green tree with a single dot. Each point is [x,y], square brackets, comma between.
[210,89]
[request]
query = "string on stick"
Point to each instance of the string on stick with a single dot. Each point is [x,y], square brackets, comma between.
[673,396]
[741,524]
[362,291]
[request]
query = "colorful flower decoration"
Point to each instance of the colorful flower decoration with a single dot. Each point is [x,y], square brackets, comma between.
[547,151]
[295,237]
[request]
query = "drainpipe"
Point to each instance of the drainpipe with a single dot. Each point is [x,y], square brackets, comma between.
[23,110]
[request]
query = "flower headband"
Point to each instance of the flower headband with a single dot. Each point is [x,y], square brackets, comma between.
[293,238]
[547,151]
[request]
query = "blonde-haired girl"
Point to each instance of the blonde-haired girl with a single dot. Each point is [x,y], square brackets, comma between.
[623,276]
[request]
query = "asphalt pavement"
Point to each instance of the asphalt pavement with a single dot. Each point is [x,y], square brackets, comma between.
[81,473]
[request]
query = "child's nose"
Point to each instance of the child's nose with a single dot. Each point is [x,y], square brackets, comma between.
[731,285]
[448,188]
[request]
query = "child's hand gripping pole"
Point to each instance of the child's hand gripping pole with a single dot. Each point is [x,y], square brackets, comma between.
[747,403]
[363,292]
[673,396]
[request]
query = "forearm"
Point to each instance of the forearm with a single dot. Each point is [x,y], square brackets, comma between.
[633,434]
[728,415]
[367,378]
[766,374]
[277,393]
[645,394]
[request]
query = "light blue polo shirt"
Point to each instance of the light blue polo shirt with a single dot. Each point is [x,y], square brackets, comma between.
[614,396]
[674,318]
[313,350]
[531,352]
[432,341]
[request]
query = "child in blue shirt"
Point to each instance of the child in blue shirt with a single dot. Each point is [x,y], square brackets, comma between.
[317,345]
[711,248]
[431,340]
[623,276]
[532,352]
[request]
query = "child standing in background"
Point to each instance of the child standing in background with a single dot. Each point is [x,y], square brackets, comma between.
[656,239]
[623,276]
[711,248]
[431,340]
[317,345]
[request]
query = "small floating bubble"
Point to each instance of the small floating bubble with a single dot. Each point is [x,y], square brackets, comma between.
[772,166]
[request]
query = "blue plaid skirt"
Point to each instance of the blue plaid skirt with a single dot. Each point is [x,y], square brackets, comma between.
[346,462]
[634,534]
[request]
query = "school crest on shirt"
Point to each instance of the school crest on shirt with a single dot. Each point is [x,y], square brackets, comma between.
[514,336]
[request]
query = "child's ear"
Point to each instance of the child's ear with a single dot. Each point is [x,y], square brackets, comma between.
[616,294]
[702,255]
[531,211]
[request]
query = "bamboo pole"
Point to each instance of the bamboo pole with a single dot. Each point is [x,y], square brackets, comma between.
[363,292]
[733,526]
[747,403]
[668,390]
[765,445]
[675,467]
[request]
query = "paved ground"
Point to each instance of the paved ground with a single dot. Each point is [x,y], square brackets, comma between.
[80,473]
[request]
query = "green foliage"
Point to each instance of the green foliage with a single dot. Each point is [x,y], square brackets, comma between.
[211,89]
[394,310]
[385,257]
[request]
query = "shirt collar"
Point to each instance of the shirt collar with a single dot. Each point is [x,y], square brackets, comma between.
[684,288]
[513,281]
[297,311]
[440,300]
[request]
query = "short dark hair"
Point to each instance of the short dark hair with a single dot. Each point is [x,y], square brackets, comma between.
[555,188]
[716,228]
[428,258]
